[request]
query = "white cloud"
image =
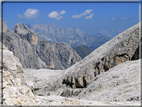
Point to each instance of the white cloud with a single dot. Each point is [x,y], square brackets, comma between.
[63,12]
[29,14]
[60,17]
[90,16]
[113,18]
[53,14]
[88,11]
[56,15]
[77,16]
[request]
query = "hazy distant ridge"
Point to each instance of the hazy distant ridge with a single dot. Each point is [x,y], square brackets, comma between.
[73,37]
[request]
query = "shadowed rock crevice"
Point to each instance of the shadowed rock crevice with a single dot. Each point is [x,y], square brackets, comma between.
[102,66]
[136,55]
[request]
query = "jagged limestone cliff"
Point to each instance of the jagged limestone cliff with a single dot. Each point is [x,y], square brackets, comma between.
[33,52]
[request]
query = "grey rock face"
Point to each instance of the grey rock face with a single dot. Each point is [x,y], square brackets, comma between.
[15,92]
[22,49]
[120,49]
[33,52]
[119,84]
[25,33]
[66,54]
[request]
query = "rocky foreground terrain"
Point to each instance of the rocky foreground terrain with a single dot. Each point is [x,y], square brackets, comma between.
[124,84]
[118,86]
[14,90]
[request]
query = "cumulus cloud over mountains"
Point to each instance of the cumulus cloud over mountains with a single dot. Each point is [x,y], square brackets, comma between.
[53,14]
[29,14]
[56,15]
[63,12]
[88,11]
[90,16]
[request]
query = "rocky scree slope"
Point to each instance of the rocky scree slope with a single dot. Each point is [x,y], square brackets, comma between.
[119,84]
[15,92]
[33,52]
[120,49]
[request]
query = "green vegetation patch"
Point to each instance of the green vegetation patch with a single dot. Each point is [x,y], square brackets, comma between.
[70,93]
[35,89]
[83,50]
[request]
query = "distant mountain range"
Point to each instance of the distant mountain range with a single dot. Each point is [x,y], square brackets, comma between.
[110,34]
[73,37]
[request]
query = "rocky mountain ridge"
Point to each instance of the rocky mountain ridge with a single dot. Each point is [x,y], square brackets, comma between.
[33,52]
[118,50]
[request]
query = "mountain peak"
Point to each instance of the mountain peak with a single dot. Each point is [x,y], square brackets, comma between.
[79,31]
[4,26]
[19,28]
[24,32]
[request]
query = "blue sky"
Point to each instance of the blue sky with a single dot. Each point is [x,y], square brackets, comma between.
[89,17]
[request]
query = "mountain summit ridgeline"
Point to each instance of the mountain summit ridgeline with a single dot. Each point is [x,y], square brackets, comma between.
[73,37]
